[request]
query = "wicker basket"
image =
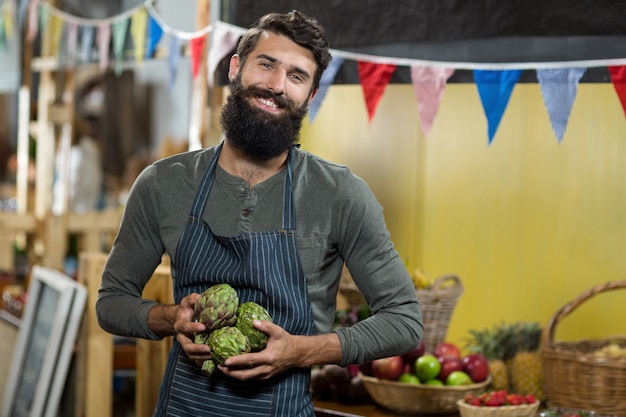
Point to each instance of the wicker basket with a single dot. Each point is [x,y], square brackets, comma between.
[574,376]
[437,303]
[419,398]
[522,410]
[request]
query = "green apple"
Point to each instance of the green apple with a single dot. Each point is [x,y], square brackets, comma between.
[458,378]
[427,367]
[437,382]
[409,378]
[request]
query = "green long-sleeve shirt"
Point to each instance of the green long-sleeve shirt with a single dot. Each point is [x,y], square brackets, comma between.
[337,219]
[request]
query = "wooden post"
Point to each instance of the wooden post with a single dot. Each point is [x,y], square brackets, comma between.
[96,346]
[198,94]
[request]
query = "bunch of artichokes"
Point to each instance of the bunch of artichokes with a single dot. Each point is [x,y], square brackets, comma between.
[229,330]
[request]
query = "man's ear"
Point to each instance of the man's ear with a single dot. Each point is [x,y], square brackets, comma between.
[233,67]
[313,93]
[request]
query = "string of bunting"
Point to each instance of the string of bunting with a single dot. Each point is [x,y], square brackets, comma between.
[558,81]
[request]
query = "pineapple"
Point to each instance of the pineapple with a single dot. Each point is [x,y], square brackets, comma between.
[525,365]
[494,344]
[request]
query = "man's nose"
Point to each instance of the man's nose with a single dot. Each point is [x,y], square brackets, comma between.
[276,82]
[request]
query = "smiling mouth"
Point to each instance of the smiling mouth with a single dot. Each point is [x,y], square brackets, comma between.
[268,102]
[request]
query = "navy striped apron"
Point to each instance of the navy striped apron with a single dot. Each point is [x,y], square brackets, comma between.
[263,267]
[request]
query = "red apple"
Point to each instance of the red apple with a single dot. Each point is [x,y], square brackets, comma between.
[411,356]
[447,350]
[476,366]
[449,365]
[366,369]
[388,368]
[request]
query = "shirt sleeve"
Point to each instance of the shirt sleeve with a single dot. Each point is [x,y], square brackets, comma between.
[395,325]
[137,251]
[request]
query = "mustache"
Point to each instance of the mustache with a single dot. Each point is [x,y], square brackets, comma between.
[279,99]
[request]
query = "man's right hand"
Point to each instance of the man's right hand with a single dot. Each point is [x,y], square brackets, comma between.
[186,329]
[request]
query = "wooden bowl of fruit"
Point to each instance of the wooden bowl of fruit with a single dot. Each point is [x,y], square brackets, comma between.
[498,404]
[420,398]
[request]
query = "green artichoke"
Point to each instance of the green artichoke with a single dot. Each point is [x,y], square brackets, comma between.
[245,314]
[227,342]
[208,366]
[217,307]
[201,338]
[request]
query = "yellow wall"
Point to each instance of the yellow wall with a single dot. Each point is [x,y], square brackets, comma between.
[527,223]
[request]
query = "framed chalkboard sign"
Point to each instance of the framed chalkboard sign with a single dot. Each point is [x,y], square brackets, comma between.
[44,345]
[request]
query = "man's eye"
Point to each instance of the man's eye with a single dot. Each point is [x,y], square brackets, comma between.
[297,77]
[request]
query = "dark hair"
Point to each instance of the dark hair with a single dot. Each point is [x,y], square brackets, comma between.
[303,30]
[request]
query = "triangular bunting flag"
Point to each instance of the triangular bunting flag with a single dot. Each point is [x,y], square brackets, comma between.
[7,18]
[56,25]
[618,78]
[429,84]
[44,18]
[3,38]
[223,40]
[33,21]
[374,78]
[21,13]
[86,43]
[120,28]
[72,39]
[325,82]
[197,47]
[104,40]
[559,88]
[138,28]
[495,88]
[173,58]
[155,32]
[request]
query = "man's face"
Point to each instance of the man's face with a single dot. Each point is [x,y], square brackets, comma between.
[280,65]
[269,98]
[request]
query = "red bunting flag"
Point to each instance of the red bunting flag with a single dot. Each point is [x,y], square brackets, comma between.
[374,78]
[618,77]
[197,46]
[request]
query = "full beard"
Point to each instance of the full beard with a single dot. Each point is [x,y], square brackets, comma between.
[257,133]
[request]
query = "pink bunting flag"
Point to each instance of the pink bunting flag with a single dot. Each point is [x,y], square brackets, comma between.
[224,40]
[429,84]
[197,46]
[374,79]
[618,78]
[72,40]
[33,20]
[104,40]
[559,87]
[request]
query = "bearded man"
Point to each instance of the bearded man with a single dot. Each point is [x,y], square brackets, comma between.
[274,222]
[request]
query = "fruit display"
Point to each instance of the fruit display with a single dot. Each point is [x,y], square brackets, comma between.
[337,383]
[420,279]
[612,350]
[444,366]
[525,367]
[495,344]
[230,331]
[500,403]
[514,356]
[567,412]
[498,399]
